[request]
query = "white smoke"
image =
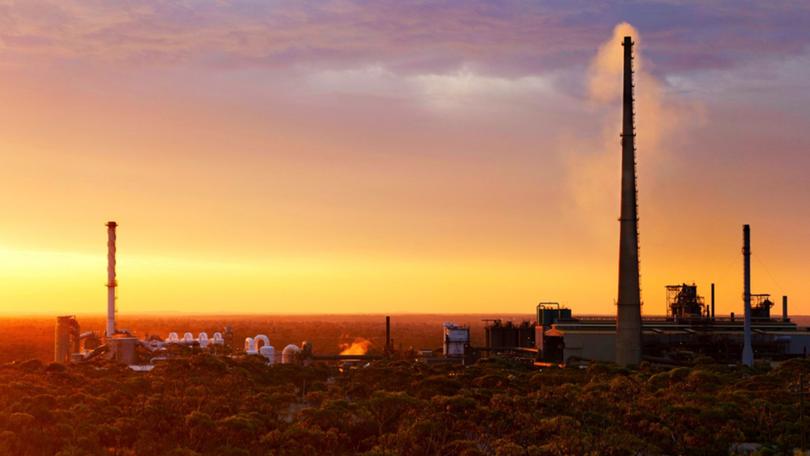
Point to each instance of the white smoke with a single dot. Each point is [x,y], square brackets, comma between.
[594,165]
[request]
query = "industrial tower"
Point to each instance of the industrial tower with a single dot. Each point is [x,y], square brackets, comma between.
[628,319]
[111,282]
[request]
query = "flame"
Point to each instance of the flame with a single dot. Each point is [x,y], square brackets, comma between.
[358,347]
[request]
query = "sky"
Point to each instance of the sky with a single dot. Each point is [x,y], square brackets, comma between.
[396,156]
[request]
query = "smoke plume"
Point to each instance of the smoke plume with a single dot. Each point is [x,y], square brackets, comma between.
[594,164]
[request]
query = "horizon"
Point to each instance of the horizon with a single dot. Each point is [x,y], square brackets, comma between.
[382,159]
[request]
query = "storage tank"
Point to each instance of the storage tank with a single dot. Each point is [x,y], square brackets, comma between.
[250,346]
[269,352]
[290,354]
[66,338]
[202,339]
[123,349]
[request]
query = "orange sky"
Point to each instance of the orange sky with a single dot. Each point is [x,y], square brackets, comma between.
[434,178]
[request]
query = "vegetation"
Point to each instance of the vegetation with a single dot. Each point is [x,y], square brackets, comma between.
[239,406]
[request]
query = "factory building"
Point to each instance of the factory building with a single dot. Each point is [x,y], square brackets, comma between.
[690,326]
[456,340]
[499,334]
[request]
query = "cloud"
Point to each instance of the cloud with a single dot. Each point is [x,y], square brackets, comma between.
[511,38]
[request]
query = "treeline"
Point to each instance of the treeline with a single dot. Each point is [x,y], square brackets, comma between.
[205,405]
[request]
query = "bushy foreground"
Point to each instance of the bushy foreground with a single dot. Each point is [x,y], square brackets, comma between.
[208,405]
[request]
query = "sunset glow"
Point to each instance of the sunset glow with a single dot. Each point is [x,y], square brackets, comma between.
[285,157]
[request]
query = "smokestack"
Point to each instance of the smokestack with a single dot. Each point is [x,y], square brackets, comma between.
[111,282]
[712,302]
[748,352]
[785,317]
[388,335]
[628,321]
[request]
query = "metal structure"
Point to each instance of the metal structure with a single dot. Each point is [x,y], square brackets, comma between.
[761,306]
[500,335]
[628,327]
[683,303]
[549,313]
[748,352]
[112,284]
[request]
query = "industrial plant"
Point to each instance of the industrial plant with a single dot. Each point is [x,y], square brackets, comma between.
[689,327]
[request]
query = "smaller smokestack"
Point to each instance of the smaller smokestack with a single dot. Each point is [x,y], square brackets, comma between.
[712,302]
[387,335]
[748,352]
[785,316]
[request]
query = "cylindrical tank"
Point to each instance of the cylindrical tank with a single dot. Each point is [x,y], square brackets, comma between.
[172,338]
[202,339]
[123,349]
[66,340]
[188,338]
[218,339]
[250,346]
[269,352]
[290,354]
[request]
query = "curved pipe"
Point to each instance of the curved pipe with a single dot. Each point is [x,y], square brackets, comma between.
[262,338]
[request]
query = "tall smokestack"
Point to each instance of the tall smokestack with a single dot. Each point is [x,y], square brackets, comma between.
[111,282]
[712,302]
[785,316]
[748,352]
[628,321]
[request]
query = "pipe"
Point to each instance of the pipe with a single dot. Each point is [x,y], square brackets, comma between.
[111,282]
[712,302]
[785,316]
[748,352]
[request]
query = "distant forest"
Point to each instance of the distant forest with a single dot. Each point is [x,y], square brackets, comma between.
[207,405]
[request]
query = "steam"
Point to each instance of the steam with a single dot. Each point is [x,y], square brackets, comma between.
[594,164]
[358,347]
